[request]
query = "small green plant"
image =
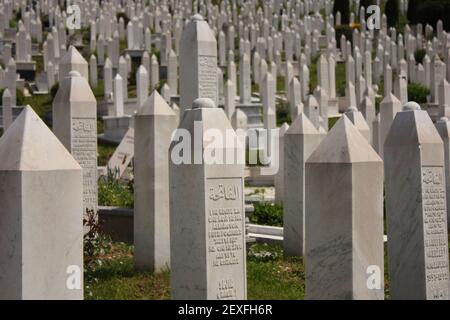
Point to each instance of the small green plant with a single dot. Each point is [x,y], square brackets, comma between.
[283,113]
[113,192]
[267,213]
[95,243]
[419,55]
[418,92]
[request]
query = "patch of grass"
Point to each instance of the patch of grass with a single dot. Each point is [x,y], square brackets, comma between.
[112,192]
[269,276]
[332,122]
[115,278]
[105,151]
[283,113]
[41,104]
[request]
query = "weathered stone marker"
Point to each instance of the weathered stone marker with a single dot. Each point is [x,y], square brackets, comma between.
[41,228]
[443,127]
[300,140]
[207,234]
[344,217]
[416,207]
[198,63]
[154,124]
[75,125]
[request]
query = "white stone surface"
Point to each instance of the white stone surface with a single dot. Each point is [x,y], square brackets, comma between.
[416,208]
[41,217]
[344,216]
[75,125]
[154,124]
[300,141]
[208,257]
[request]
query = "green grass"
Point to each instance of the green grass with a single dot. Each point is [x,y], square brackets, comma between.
[115,278]
[41,104]
[269,276]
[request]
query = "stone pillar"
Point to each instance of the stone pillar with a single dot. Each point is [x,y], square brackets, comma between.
[207,242]
[416,210]
[198,63]
[141,85]
[358,121]
[245,82]
[73,61]
[388,109]
[443,127]
[7,109]
[154,124]
[279,176]
[75,125]
[344,228]
[41,214]
[300,141]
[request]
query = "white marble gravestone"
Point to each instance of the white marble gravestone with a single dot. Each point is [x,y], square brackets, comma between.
[344,216]
[41,216]
[416,208]
[198,63]
[207,242]
[75,125]
[154,124]
[300,141]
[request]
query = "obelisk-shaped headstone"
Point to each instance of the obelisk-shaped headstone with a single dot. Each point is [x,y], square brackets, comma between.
[443,127]
[41,216]
[73,61]
[416,207]
[207,233]
[344,217]
[154,124]
[75,125]
[198,63]
[300,141]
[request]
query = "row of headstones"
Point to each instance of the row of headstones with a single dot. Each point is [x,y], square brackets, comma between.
[338,205]
[335,219]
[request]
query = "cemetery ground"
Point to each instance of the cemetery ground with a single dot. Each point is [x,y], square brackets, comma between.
[269,276]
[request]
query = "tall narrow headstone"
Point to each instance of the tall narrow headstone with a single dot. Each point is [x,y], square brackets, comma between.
[141,85]
[279,176]
[7,109]
[300,141]
[207,242]
[73,61]
[198,63]
[75,125]
[41,216]
[245,83]
[154,124]
[416,207]
[388,109]
[443,127]
[344,217]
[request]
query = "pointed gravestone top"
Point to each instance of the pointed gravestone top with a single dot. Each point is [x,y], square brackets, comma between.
[74,88]
[344,144]
[284,127]
[155,105]
[302,125]
[412,126]
[73,56]
[29,145]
